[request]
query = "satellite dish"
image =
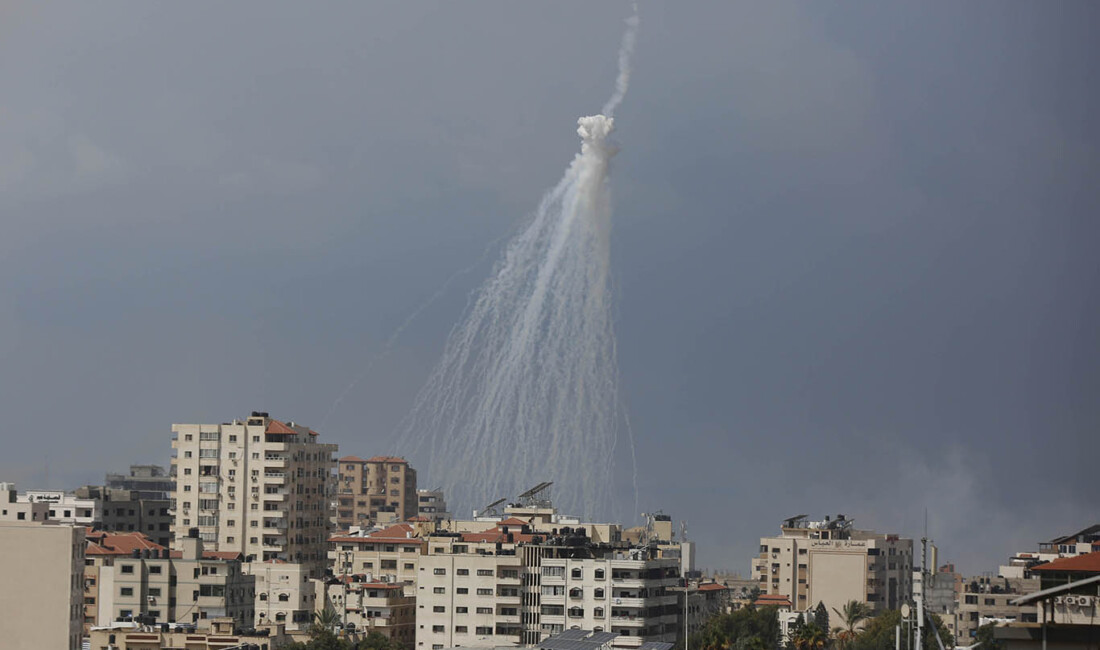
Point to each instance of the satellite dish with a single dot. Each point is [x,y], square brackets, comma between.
[905,610]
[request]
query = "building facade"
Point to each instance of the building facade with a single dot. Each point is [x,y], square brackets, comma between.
[259,487]
[151,481]
[432,505]
[830,562]
[128,511]
[378,490]
[367,606]
[132,578]
[285,594]
[42,565]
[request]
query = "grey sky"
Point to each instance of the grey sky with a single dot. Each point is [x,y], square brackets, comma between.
[854,247]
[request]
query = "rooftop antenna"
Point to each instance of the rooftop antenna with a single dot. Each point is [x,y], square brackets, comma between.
[537,497]
[493,509]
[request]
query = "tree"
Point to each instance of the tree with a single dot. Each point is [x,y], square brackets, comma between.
[327,618]
[749,628]
[810,637]
[878,633]
[821,616]
[852,614]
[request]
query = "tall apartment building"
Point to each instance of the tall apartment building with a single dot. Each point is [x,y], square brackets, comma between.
[514,584]
[830,562]
[432,505]
[378,490]
[129,577]
[259,487]
[42,565]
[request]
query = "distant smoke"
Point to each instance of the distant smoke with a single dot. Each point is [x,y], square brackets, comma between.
[626,53]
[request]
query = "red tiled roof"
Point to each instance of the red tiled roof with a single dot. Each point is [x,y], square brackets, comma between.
[396,533]
[274,426]
[105,543]
[352,459]
[513,521]
[713,586]
[313,433]
[773,599]
[388,459]
[419,518]
[497,535]
[1087,563]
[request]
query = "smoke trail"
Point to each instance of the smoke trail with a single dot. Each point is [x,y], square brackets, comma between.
[626,53]
[527,386]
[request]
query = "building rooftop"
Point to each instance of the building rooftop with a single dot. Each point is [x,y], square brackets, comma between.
[104,543]
[1087,563]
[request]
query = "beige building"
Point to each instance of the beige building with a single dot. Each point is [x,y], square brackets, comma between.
[830,562]
[221,636]
[42,565]
[432,505]
[131,578]
[516,583]
[285,594]
[378,490]
[259,487]
[367,606]
[390,555]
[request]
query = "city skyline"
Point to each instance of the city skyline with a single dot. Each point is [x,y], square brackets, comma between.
[851,247]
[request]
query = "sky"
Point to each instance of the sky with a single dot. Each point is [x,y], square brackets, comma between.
[853,245]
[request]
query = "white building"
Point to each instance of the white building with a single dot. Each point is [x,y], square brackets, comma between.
[65,507]
[258,486]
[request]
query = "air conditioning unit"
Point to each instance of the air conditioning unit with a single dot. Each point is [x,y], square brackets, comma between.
[1058,600]
[1084,601]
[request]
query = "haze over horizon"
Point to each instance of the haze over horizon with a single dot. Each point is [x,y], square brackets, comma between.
[853,249]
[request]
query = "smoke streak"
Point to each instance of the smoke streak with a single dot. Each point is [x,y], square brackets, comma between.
[527,387]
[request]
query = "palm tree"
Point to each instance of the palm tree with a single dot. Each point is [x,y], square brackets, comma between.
[327,618]
[810,637]
[851,614]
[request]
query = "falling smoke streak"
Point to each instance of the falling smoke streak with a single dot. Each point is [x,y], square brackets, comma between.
[527,387]
[388,346]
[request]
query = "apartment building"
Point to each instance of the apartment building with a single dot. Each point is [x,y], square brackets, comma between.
[367,606]
[42,565]
[150,481]
[128,511]
[378,490]
[1084,541]
[285,594]
[130,577]
[514,584]
[432,505]
[988,599]
[65,507]
[391,555]
[258,486]
[830,562]
[222,635]
[12,509]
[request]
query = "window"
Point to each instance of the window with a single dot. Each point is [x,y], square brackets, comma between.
[440,572]
[553,590]
[439,590]
[553,571]
[486,631]
[484,610]
[462,590]
[460,629]
[598,612]
[461,610]
[154,569]
[439,609]
[409,566]
[208,435]
[485,572]
[154,591]
[576,572]
[484,592]
[437,628]
[462,572]
[576,592]
[187,454]
[126,591]
[598,593]
[232,438]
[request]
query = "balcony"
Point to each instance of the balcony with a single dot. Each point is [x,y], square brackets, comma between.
[628,621]
[274,477]
[629,602]
[275,496]
[275,461]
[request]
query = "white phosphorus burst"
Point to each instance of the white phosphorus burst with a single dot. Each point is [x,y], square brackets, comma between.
[527,388]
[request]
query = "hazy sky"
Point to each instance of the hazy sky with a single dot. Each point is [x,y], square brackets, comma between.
[855,247]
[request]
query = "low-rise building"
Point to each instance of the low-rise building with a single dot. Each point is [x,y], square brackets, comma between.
[285,594]
[65,507]
[222,635]
[150,481]
[391,554]
[128,511]
[42,565]
[130,578]
[366,606]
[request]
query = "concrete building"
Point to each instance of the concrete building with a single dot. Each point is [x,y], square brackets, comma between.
[65,507]
[12,509]
[989,599]
[42,565]
[285,594]
[151,481]
[1081,542]
[432,505]
[1067,605]
[259,487]
[515,584]
[222,635]
[130,578]
[127,511]
[378,490]
[391,555]
[367,606]
[830,562]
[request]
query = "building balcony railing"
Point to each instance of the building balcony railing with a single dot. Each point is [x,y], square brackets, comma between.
[629,621]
